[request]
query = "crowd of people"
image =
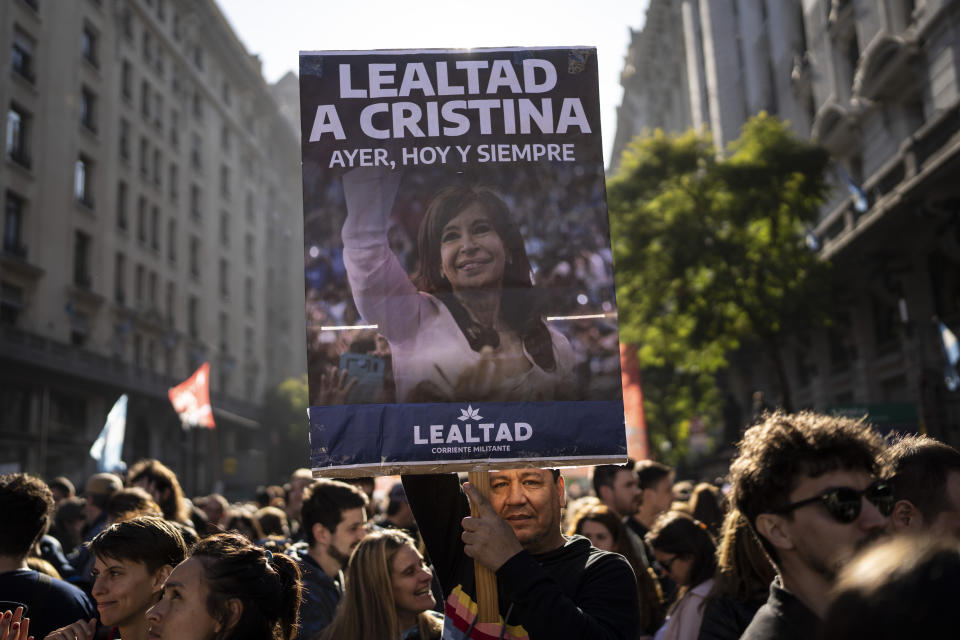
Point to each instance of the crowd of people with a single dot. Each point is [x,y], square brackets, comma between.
[821,529]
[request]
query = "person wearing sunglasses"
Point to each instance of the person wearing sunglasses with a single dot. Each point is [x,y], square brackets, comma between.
[807,484]
[686,553]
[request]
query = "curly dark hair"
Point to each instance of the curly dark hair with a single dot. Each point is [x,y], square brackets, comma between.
[163,479]
[267,584]
[782,448]
[28,504]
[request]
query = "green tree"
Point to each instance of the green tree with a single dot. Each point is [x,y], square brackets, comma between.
[711,255]
[285,416]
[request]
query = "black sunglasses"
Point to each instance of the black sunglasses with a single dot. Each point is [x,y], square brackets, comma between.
[663,568]
[844,503]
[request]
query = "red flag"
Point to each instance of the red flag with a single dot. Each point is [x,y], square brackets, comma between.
[191,399]
[638,446]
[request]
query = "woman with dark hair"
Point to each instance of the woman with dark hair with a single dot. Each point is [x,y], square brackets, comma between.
[228,589]
[468,325]
[388,594]
[607,532]
[685,551]
[706,505]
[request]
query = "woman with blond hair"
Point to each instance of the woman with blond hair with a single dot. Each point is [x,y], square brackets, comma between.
[388,593]
[741,583]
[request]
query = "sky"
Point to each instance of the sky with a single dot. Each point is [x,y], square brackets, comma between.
[279,29]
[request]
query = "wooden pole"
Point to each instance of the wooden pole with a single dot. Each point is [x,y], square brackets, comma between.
[486,581]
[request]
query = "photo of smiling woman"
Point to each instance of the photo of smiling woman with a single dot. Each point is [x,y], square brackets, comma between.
[467,324]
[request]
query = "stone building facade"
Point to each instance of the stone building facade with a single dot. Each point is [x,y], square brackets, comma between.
[877,82]
[152,221]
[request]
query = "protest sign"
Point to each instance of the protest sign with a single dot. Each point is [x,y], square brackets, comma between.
[459,288]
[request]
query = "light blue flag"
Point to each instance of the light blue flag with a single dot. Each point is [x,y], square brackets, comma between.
[951,355]
[860,202]
[109,444]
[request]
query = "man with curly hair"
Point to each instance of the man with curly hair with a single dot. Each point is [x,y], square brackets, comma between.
[807,484]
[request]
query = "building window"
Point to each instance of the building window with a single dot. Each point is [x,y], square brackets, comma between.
[195,202]
[175,129]
[13,226]
[224,322]
[155,228]
[145,99]
[172,240]
[124,139]
[225,138]
[147,47]
[195,257]
[11,304]
[224,228]
[225,181]
[126,80]
[197,105]
[173,179]
[249,207]
[81,260]
[151,354]
[120,279]
[137,350]
[88,109]
[224,278]
[152,290]
[144,157]
[142,220]
[126,24]
[22,54]
[83,181]
[122,205]
[88,46]
[193,316]
[248,293]
[18,129]
[171,301]
[138,284]
[196,159]
[249,248]
[198,57]
[158,111]
[157,168]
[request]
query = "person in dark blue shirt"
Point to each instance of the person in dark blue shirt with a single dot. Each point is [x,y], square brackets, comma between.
[27,505]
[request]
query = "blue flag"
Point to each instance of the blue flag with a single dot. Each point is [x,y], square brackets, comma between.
[951,354]
[860,202]
[108,447]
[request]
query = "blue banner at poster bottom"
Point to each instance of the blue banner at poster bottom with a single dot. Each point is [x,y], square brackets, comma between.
[436,433]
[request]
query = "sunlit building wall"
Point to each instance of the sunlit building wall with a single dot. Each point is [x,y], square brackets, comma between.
[151,222]
[877,84]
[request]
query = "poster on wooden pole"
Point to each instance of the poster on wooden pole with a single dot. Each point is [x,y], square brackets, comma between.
[459,282]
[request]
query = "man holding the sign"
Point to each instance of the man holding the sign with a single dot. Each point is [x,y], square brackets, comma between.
[549,586]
